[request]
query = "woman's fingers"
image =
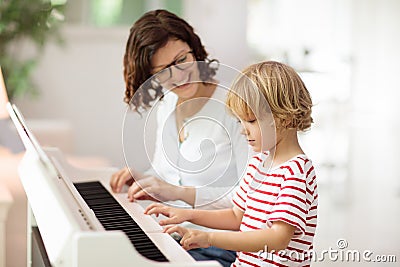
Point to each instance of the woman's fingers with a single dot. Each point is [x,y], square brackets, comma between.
[114,180]
[133,190]
[124,177]
[147,189]
[140,190]
[155,208]
[119,179]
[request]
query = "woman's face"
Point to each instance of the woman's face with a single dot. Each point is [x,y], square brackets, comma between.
[183,76]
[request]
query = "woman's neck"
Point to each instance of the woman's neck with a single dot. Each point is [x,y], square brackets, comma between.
[205,90]
[187,107]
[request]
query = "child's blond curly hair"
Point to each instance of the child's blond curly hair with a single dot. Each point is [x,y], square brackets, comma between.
[272,87]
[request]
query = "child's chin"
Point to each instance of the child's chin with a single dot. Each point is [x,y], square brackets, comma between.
[255,149]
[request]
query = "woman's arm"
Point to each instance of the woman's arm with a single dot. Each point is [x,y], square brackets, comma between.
[228,219]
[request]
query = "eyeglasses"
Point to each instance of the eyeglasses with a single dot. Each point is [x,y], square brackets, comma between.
[182,63]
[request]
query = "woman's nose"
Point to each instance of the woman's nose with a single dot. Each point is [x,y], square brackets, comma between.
[177,75]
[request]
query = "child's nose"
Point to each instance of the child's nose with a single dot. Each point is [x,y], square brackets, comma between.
[244,131]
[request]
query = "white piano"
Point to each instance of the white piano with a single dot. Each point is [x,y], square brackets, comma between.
[76,220]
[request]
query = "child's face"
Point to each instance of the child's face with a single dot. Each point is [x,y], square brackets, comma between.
[260,133]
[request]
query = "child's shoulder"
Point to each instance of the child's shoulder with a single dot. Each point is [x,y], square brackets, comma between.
[299,165]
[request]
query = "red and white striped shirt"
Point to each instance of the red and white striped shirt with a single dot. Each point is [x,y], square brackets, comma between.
[287,193]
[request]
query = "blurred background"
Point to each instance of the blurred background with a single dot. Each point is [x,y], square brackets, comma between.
[347,52]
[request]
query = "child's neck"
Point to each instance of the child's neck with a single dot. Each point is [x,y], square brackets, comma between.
[287,147]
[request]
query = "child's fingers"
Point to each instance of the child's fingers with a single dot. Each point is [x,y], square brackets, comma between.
[194,239]
[188,241]
[175,229]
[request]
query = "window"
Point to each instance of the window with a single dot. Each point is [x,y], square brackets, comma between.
[106,13]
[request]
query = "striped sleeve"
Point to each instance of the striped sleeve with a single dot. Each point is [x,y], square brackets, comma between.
[291,205]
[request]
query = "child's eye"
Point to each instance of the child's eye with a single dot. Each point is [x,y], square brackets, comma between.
[252,121]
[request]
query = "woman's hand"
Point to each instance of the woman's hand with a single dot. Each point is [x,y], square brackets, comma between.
[152,188]
[120,178]
[175,215]
[191,238]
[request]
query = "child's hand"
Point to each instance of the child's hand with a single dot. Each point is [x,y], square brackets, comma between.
[175,215]
[191,238]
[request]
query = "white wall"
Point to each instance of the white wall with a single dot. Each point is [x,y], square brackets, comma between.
[82,84]
[376,90]
[222,27]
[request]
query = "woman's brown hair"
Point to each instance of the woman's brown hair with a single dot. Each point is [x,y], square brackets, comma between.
[151,32]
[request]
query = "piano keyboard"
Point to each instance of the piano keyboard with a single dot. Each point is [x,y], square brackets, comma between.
[113,217]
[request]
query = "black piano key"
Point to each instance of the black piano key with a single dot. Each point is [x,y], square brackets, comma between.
[109,213]
[104,208]
[119,225]
[113,217]
[96,196]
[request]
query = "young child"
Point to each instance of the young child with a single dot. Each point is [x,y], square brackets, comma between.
[274,214]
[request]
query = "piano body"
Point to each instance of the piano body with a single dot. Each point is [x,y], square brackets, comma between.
[75,220]
[79,232]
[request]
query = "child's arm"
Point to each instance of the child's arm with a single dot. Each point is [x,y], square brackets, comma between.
[226,219]
[275,238]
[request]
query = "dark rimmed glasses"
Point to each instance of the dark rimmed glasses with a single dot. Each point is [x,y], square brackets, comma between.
[182,63]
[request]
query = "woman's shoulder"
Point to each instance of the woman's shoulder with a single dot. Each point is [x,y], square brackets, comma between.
[169,99]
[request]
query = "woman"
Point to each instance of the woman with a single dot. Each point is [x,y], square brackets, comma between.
[166,60]
[199,154]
